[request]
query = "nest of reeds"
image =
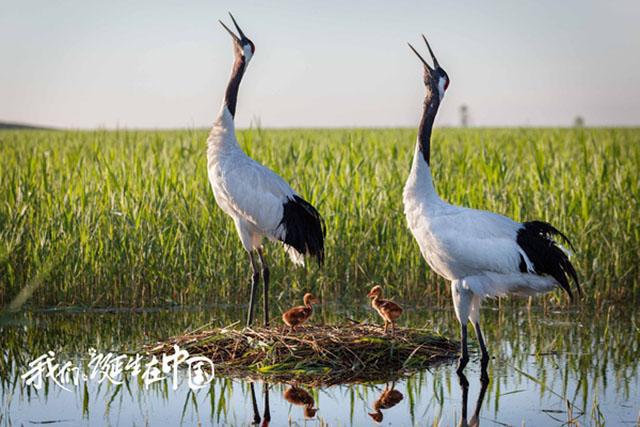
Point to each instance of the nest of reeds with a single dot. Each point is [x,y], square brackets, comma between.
[328,354]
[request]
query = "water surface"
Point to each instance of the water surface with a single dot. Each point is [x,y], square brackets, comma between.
[549,368]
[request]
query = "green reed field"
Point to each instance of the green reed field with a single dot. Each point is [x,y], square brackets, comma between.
[127,218]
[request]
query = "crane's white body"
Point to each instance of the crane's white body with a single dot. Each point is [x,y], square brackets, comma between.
[460,243]
[260,203]
[483,254]
[247,191]
[476,250]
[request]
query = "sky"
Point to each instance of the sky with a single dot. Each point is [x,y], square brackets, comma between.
[165,64]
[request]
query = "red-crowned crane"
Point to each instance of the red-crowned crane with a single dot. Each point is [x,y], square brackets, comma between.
[259,201]
[483,254]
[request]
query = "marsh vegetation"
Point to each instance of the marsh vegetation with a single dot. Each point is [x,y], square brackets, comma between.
[111,240]
[127,219]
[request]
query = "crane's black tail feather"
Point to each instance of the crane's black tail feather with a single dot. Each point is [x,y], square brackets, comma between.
[536,240]
[304,228]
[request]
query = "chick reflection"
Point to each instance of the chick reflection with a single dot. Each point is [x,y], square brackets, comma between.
[301,397]
[389,398]
[464,384]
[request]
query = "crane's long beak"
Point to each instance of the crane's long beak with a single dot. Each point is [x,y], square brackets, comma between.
[433,57]
[240,31]
[435,61]
[426,64]
[235,38]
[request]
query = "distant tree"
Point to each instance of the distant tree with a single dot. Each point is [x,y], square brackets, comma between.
[464,116]
[578,122]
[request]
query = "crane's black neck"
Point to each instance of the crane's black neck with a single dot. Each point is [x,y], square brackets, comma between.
[231,95]
[431,104]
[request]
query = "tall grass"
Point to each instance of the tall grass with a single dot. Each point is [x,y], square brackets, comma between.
[127,218]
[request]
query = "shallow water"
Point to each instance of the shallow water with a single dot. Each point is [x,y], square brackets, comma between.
[549,368]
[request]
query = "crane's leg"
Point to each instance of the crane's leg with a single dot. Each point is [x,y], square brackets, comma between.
[462,303]
[254,288]
[265,277]
[464,351]
[474,317]
[483,348]
[484,361]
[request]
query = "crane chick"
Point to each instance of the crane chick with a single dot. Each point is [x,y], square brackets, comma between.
[388,310]
[298,315]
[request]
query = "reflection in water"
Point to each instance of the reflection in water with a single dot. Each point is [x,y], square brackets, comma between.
[543,361]
[256,414]
[266,417]
[299,396]
[464,385]
[389,398]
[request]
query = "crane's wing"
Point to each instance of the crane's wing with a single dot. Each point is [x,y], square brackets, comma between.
[478,223]
[474,241]
[472,255]
[263,199]
[478,242]
[256,193]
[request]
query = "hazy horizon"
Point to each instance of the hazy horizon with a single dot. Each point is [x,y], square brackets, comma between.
[150,65]
[36,126]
